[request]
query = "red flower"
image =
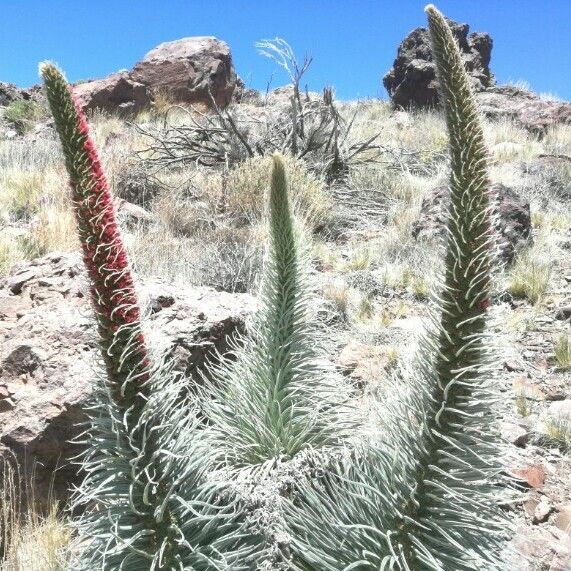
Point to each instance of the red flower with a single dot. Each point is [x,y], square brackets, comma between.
[111,283]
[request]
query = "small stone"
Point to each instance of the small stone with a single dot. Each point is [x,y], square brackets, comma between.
[160,302]
[542,511]
[513,366]
[563,518]
[532,476]
[15,283]
[132,213]
[515,434]
[563,313]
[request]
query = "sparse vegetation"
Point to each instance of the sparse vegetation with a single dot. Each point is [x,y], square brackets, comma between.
[25,114]
[337,293]
[562,350]
[530,277]
[558,430]
[523,403]
[30,540]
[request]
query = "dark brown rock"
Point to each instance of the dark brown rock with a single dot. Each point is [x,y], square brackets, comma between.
[115,93]
[18,279]
[49,356]
[563,312]
[515,434]
[189,70]
[10,92]
[412,80]
[23,359]
[514,218]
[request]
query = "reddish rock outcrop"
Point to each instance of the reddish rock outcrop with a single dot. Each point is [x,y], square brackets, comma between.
[48,354]
[526,108]
[116,92]
[189,70]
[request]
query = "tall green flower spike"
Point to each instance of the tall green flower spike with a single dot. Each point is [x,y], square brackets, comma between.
[276,396]
[425,495]
[146,497]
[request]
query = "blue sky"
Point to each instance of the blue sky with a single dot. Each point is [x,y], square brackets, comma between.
[353,42]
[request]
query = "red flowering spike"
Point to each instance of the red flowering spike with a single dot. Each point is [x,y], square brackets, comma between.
[112,289]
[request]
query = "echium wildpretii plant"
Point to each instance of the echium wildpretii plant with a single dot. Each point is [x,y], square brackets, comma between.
[147,498]
[425,495]
[419,493]
[276,396]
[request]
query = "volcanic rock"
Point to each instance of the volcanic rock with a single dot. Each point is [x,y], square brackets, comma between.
[412,80]
[49,356]
[514,218]
[190,70]
[526,108]
[116,92]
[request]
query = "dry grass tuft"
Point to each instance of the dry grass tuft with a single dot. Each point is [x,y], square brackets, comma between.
[530,277]
[562,350]
[242,192]
[29,540]
[337,294]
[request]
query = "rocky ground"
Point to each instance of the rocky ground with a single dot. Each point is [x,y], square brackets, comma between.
[195,233]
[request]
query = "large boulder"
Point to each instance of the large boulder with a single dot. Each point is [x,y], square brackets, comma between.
[412,80]
[49,355]
[115,93]
[189,70]
[514,218]
[528,109]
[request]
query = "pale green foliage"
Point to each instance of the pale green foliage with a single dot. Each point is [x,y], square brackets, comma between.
[158,489]
[24,114]
[277,397]
[558,429]
[422,495]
